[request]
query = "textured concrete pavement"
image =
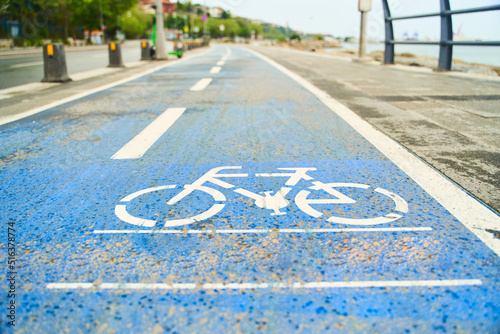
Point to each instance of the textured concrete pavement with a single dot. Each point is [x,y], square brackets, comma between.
[451,122]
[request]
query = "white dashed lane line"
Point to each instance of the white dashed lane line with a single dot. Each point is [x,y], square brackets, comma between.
[201,85]
[139,145]
[215,69]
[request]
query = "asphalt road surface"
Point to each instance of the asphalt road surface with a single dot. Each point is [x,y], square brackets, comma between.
[221,194]
[20,71]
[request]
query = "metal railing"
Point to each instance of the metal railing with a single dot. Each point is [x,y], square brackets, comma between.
[446,42]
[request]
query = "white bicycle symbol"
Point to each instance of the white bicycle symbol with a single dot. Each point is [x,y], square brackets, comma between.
[274,202]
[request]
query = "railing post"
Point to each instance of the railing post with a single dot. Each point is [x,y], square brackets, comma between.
[445,48]
[389,35]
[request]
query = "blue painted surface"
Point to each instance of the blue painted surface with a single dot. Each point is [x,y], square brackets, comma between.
[59,185]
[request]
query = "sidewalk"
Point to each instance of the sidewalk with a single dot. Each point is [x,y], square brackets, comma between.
[29,52]
[30,98]
[450,121]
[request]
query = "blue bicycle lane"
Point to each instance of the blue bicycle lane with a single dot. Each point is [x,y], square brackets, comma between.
[287,219]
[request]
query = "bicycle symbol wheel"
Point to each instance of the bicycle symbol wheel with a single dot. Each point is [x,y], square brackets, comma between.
[122,213]
[304,203]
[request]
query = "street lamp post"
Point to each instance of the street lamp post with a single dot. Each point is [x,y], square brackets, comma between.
[364,7]
[161,46]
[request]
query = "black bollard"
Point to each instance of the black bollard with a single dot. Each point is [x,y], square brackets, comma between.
[145,51]
[54,63]
[115,55]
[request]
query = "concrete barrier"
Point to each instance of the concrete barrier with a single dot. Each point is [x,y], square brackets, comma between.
[54,63]
[115,55]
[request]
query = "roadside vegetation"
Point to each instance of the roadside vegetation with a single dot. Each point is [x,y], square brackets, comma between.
[59,20]
[67,20]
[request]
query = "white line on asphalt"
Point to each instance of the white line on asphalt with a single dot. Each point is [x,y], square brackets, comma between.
[36,86]
[252,286]
[215,69]
[146,138]
[201,85]
[226,56]
[220,63]
[93,73]
[31,87]
[264,230]
[35,63]
[470,212]
[13,118]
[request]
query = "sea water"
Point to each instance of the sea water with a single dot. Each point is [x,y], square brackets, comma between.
[488,55]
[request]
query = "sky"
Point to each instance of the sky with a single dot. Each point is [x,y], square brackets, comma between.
[341,17]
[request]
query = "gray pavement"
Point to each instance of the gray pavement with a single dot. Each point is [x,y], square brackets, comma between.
[24,70]
[451,122]
[36,98]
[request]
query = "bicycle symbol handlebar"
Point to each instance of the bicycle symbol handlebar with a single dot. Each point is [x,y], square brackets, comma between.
[268,201]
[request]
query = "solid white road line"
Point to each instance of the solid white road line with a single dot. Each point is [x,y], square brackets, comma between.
[220,63]
[277,285]
[31,87]
[93,73]
[474,215]
[265,230]
[36,86]
[201,85]
[146,138]
[215,69]
[35,63]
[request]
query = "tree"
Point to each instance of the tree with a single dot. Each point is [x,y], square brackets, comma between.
[184,6]
[174,21]
[257,28]
[281,38]
[231,27]
[295,36]
[135,23]
[87,13]
[34,17]
[244,32]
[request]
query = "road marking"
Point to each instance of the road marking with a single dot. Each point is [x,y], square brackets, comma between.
[31,112]
[146,138]
[221,63]
[253,286]
[35,63]
[226,56]
[470,212]
[201,85]
[93,73]
[31,87]
[215,69]
[268,231]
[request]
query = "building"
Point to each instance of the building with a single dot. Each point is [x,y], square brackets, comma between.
[96,36]
[168,7]
[216,12]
